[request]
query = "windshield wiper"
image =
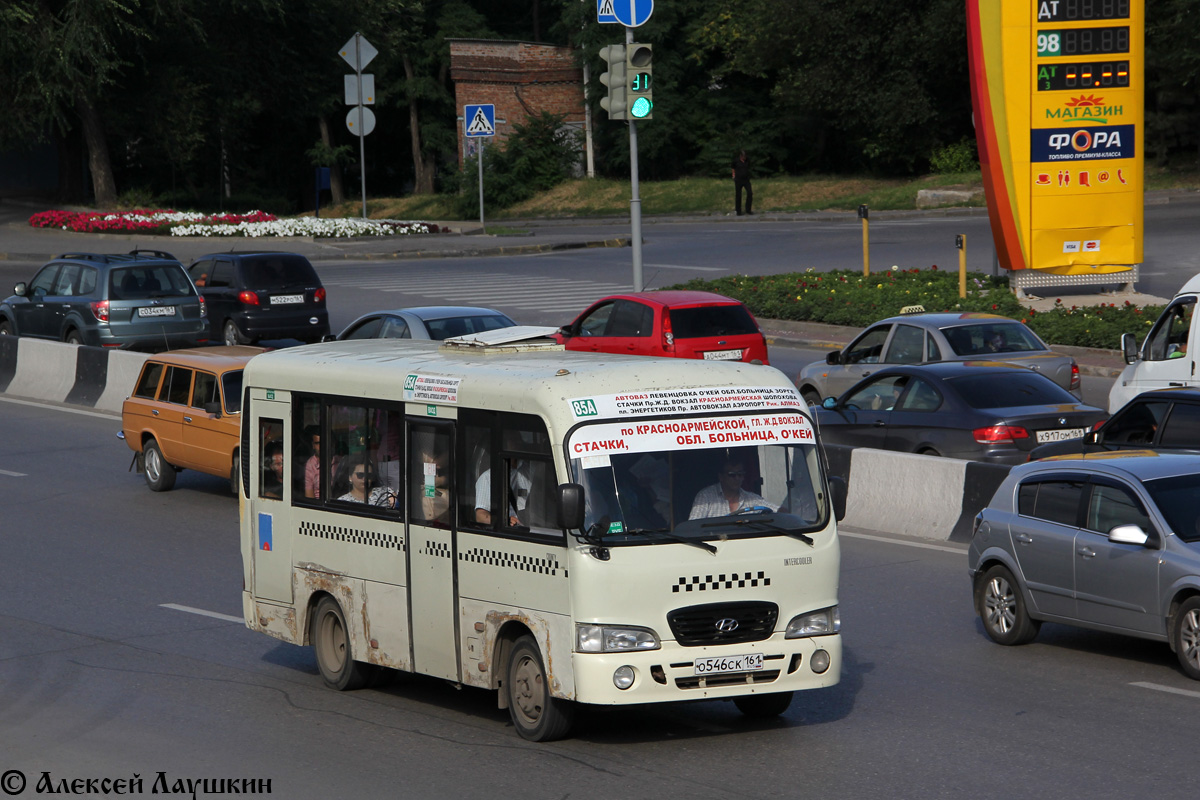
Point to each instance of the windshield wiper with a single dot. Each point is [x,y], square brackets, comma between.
[673,537]
[769,525]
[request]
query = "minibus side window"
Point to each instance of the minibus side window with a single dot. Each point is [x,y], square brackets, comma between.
[273,468]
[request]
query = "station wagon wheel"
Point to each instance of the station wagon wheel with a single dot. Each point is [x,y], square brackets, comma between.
[536,715]
[231,335]
[1001,607]
[330,639]
[763,706]
[1185,636]
[160,476]
[5,328]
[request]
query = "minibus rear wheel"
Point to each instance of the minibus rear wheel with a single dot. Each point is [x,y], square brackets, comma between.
[536,715]
[330,639]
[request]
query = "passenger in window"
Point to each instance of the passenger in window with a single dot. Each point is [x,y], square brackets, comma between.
[273,471]
[364,486]
[312,467]
[727,496]
[520,485]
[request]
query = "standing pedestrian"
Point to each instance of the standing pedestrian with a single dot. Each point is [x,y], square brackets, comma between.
[741,180]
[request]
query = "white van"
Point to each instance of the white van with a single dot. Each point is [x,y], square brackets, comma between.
[1167,356]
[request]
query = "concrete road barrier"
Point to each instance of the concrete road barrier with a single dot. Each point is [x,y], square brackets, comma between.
[92,377]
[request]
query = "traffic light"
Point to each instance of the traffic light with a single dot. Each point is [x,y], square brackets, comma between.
[614,102]
[639,70]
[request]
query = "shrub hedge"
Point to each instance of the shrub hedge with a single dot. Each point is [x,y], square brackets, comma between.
[846,297]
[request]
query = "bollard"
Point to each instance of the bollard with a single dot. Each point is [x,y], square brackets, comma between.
[863,212]
[960,241]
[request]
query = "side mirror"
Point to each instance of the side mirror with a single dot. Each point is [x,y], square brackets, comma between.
[329,337]
[829,402]
[570,506]
[20,289]
[1128,534]
[838,490]
[833,358]
[565,331]
[213,408]
[1129,348]
[1091,437]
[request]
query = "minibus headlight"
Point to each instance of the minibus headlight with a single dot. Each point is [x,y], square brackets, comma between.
[815,623]
[613,639]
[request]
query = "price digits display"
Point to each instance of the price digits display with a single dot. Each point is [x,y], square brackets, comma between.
[1065,77]
[1083,41]
[1081,10]
[639,82]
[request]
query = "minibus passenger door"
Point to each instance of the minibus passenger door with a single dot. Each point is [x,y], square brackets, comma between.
[432,544]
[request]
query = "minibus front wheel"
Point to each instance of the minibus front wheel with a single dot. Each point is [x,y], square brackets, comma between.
[536,715]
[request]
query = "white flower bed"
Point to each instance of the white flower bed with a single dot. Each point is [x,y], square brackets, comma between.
[306,226]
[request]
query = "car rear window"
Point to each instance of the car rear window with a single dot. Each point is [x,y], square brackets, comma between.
[727,320]
[440,329]
[988,338]
[1011,389]
[1176,499]
[142,283]
[278,272]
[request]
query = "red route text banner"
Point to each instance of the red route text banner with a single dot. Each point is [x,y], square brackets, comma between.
[614,438]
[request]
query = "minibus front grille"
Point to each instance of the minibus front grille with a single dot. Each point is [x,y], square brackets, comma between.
[730,679]
[723,623]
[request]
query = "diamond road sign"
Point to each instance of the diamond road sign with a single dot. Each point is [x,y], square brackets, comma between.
[479,120]
[358,56]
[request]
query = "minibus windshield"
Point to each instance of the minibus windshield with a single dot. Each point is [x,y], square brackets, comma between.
[703,478]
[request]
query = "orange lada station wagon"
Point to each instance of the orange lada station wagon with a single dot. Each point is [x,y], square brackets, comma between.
[185,413]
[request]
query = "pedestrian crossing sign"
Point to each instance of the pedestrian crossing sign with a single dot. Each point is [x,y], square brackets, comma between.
[480,120]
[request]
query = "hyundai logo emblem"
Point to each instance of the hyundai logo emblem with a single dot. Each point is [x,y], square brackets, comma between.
[727,625]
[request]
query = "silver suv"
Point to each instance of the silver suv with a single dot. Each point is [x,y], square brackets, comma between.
[142,300]
[1111,544]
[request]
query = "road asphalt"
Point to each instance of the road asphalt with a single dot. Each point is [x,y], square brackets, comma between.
[21,242]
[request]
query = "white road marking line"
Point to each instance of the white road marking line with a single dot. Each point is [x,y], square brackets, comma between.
[13,474]
[922,545]
[61,408]
[681,266]
[1158,687]
[203,613]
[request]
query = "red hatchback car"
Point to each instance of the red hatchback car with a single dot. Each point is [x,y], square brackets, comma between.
[675,324]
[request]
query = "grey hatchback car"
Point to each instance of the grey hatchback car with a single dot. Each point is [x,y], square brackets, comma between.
[141,300]
[924,338]
[1111,544]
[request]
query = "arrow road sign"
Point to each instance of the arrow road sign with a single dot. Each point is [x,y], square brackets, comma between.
[358,57]
[632,13]
[480,120]
[604,11]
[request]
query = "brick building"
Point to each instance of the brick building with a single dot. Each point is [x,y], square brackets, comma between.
[519,78]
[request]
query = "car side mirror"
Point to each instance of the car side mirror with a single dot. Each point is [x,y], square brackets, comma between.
[213,408]
[833,358]
[20,289]
[838,492]
[329,337]
[1129,348]
[565,330]
[570,506]
[1091,437]
[1128,534]
[829,402]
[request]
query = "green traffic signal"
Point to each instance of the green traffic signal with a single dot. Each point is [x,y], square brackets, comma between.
[639,68]
[641,108]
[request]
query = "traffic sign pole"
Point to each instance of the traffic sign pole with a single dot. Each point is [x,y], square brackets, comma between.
[635,201]
[362,137]
[479,158]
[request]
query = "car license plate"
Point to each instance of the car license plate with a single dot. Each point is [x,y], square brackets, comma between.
[717,665]
[1059,435]
[723,355]
[281,299]
[156,311]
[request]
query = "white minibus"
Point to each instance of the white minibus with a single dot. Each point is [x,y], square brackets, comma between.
[562,528]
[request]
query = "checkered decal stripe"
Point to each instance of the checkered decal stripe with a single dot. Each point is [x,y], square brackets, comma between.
[733,581]
[436,549]
[498,558]
[337,533]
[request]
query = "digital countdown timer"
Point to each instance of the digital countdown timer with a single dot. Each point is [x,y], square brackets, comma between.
[1081,10]
[1067,77]
[1082,41]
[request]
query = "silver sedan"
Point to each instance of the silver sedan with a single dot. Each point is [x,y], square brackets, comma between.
[425,322]
[925,338]
[1110,543]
